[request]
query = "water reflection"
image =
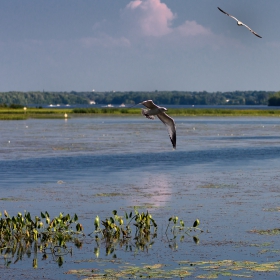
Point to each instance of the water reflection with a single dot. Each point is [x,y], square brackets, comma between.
[156,189]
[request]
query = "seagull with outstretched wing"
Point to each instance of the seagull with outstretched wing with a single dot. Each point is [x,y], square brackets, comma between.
[154,110]
[239,23]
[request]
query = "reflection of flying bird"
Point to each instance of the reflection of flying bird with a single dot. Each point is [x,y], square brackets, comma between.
[154,110]
[239,23]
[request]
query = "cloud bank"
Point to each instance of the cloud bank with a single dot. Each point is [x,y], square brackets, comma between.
[152,18]
[147,23]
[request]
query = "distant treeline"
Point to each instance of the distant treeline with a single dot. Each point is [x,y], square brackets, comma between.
[274,100]
[134,97]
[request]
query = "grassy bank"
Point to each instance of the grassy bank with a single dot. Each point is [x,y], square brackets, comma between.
[20,114]
[181,112]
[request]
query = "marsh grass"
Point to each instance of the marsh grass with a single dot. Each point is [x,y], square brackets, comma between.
[35,111]
[222,112]
[181,112]
[118,111]
[19,114]
[13,117]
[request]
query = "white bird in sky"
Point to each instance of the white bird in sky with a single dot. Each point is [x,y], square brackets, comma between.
[154,110]
[239,23]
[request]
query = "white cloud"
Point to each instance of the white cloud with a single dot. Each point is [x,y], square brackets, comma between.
[151,23]
[153,18]
[149,17]
[134,4]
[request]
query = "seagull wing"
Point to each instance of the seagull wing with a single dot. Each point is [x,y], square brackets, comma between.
[149,104]
[252,30]
[170,124]
[228,14]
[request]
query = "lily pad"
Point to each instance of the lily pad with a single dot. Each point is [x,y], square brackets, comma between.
[9,199]
[275,231]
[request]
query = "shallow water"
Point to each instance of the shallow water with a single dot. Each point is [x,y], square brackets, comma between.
[225,172]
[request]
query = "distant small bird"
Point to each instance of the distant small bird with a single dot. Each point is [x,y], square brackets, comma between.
[154,110]
[239,23]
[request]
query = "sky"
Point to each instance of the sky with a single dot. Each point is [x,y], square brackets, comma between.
[139,45]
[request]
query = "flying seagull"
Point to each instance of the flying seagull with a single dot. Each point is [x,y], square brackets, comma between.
[154,110]
[239,23]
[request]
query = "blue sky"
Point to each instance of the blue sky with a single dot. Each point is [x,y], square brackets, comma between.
[145,45]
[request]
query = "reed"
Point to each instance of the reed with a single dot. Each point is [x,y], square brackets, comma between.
[20,114]
[12,117]
[223,112]
[118,111]
[181,112]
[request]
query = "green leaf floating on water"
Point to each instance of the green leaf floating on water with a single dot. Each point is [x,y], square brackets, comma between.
[275,231]
[155,271]
[198,270]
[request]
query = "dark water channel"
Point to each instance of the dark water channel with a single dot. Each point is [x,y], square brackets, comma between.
[225,172]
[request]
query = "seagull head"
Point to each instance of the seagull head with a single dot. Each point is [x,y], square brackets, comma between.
[163,109]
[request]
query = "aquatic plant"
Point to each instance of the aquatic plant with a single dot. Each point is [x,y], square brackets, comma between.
[208,269]
[181,230]
[274,231]
[135,231]
[20,234]
[181,227]
[118,230]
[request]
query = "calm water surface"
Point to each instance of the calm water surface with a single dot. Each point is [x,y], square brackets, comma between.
[225,172]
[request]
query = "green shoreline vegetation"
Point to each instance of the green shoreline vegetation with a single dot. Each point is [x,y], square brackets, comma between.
[173,97]
[12,103]
[21,114]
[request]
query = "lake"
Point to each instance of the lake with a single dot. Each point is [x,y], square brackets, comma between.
[225,172]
